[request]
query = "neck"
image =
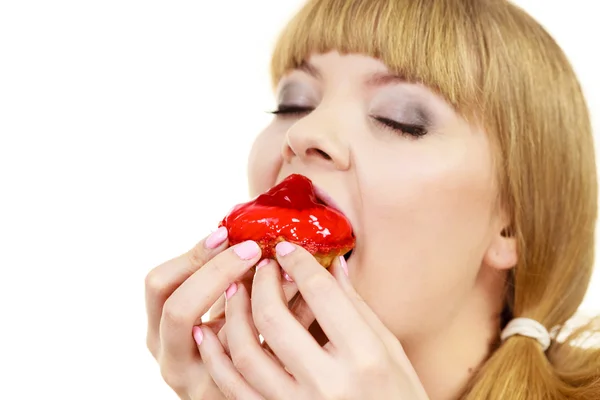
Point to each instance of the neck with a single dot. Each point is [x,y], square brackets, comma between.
[446,360]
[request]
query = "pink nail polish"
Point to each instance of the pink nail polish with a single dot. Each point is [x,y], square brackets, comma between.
[231,290]
[344,265]
[216,238]
[247,250]
[197,333]
[284,248]
[262,263]
[287,277]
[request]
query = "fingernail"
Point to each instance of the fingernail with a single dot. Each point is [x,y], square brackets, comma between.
[287,277]
[284,248]
[344,265]
[262,263]
[197,333]
[216,238]
[247,250]
[231,290]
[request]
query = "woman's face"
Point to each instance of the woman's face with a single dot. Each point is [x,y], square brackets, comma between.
[414,178]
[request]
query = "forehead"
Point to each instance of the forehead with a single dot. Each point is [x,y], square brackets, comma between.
[433,43]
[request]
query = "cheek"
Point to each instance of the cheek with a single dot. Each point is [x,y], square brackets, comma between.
[438,194]
[426,225]
[448,207]
[264,161]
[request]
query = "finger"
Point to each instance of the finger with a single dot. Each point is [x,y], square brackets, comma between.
[222,334]
[339,270]
[218,309]
[261,371]
[340,320]
[197,294]
[290,290]
[216,325]
[303,315]
[288,339]
[392,345]
[162,281]
[226,377]
[302,312]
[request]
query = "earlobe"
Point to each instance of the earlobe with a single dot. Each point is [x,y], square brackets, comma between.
[502,252]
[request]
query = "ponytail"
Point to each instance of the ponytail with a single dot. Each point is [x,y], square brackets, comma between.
[519,369]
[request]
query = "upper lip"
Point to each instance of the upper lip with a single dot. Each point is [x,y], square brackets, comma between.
[327,199]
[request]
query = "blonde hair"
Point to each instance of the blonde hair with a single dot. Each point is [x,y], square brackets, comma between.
[498,67]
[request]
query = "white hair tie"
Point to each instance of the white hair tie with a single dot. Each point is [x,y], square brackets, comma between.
[527,327]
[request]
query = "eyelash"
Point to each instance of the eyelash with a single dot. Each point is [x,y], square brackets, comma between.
[415,131]
[284,110]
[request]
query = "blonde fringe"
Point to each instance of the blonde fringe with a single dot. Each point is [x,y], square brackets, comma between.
[497,67]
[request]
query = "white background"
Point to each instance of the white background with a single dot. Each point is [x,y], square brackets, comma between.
[124,132]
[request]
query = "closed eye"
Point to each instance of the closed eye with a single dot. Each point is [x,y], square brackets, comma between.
[291,110]
[416,131]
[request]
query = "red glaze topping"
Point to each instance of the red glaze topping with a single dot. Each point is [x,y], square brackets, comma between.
[290,211]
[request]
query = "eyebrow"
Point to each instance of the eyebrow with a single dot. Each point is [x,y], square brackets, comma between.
[385,78]
[378,79]
[310,69]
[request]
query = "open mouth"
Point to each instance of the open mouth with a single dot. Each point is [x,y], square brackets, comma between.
[324,199]
[348,255]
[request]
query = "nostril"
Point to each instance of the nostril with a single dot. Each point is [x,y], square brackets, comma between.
[319,152]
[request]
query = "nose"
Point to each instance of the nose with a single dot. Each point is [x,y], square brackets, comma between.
[315,140]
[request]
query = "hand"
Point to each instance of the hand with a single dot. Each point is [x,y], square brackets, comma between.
[178,293]
[362,360]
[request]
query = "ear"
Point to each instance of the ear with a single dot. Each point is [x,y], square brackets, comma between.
[502,251]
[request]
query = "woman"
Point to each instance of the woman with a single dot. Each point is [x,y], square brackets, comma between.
[455,137]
